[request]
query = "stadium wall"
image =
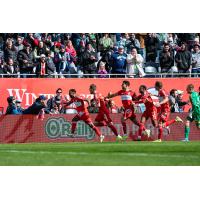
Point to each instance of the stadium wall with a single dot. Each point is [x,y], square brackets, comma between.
[27,90]
[56,128]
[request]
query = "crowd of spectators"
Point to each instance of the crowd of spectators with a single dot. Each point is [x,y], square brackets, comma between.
[65,55]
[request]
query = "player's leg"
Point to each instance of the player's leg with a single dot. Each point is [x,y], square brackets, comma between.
[187,130]
[74,124]
[141,126]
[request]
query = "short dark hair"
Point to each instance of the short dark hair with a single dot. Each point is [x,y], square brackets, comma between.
[58,90]
[126,83]
[190,87]
[172,91]
[72,90]
[158,84]
[143,86]
[93,86]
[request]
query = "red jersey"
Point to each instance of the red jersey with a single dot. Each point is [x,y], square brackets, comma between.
[147,100]
[80,105]
[162,95]
[100,102]
[127,97]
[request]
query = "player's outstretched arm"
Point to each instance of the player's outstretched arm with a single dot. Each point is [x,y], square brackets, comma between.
[111,95]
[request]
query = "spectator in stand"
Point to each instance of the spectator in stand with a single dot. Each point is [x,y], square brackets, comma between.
[166,59]
[141,38]
[70,49]
[183,59]
[132,43]
[12,108]
[11,68]
[119,62]
[2,68]
[180,102]
[106,43]
[102,70]
[196,60]
[19,107]
[43,68]
[151,44]
[25,60]
[30,40]
[41,49]
[55,99]
[172,101]
[89,60]
[37,106]
[134,64]
[19,44]
[10,51]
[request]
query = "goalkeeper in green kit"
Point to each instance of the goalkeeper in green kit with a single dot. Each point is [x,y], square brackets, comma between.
[194,114]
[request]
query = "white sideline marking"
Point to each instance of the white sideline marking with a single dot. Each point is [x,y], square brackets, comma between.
[86,153]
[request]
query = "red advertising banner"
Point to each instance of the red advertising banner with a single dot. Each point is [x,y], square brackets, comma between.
[57,128]
[27,90]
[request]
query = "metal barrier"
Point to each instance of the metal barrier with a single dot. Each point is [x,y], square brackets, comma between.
[149,75]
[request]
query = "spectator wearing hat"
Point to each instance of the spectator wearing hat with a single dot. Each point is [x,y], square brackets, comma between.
[12,108]
[196,60]
[43,68]
[37,106]
[119,62]
[89,59]
[183,59]
[25,60]
[18,105]
[134,64]
[102,70]
[166,59]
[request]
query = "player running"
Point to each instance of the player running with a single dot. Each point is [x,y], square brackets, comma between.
[82,114]
[150,112]
[195,112]
[127,97]
[164,111]
[103,117]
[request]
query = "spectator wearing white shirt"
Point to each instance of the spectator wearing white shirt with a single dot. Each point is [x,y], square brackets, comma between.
[196,60]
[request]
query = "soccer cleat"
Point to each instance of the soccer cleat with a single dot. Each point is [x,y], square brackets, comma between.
[119,138]
[147,132]
[168,130]
[159,140]
[178,119]
[102,138]
[139,138]
[185,140]
[125,136]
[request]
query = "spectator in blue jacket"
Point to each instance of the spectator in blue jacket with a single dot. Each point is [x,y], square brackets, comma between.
[37,106]
[12,108]
[119,61]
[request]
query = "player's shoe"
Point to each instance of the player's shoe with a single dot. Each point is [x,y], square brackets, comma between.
[147,132]
[178,119]
[185,140]
[102,138]
[125,136]
[119,138]
[139,138]
[168,130]
[159,140]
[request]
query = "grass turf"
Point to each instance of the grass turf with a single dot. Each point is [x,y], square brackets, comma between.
[96,154]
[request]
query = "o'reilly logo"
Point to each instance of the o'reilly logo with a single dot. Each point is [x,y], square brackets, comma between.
[60,128]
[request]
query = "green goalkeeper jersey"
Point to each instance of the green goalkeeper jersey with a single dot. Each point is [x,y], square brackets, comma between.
[195,101]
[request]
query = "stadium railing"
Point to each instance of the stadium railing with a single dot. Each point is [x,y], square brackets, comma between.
[153,75]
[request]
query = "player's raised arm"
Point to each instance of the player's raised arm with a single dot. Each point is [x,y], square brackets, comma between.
[111,95]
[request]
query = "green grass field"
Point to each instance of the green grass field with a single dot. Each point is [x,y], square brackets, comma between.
[105,154]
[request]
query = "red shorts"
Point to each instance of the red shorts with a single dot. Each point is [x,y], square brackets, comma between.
[129,113]
[85,117]
[102,117]
[163,116]
[152,114]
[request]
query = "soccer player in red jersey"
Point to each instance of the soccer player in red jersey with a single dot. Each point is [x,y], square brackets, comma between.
[164,110]
[127,97]
[150,112]
[103,117]
[82,114]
